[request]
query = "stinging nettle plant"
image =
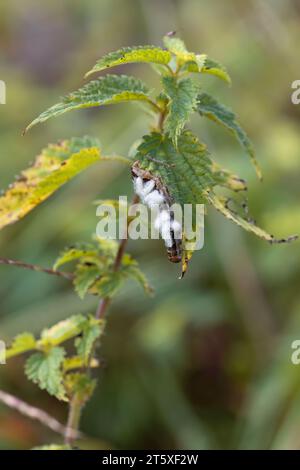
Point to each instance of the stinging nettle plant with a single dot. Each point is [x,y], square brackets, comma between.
[170,154]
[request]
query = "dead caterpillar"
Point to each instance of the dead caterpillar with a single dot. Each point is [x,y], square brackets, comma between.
[152,192]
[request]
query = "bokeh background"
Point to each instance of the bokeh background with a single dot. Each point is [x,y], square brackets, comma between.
[206,362]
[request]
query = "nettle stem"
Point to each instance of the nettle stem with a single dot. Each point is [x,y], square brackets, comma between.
[75,406]
[73,421]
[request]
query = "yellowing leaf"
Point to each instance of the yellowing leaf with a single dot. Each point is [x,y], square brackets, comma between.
[22,343]
[62,331]
[127,55]
[57,164]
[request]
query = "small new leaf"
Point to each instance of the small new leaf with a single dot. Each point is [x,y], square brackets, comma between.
[44,369]
[191,62]
[106,90]
[209,107]
[182,96]
[127,55]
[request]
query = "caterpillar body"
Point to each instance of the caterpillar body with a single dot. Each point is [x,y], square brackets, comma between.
[153,192]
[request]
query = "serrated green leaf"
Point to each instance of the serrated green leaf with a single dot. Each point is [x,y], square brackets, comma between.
[44,369]
[106,90]
[178,48]
[131,270]
[85,277]
[190,177]
[62,331]
[108,284]
[209,107]
[57,164]
[84,344]
[128,55]
[182,96]
[186,170]
[22,343]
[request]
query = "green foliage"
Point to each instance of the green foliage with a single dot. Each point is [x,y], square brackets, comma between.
[45,370]
[209,107]
[170,152]
[22,343]
[186,170]
[182,101]
[95,269]
[191,62]
[106,90]
[62,331]
[128,55]
[90,333]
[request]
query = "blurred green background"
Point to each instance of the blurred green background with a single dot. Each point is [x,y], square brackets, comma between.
[206,362]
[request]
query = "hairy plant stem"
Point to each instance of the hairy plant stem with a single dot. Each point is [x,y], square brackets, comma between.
[72,426]
[75,406]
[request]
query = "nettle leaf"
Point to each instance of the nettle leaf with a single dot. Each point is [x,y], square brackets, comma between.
[92,331]
[62,331]
[191,62]
[106,90]
[45,370]
[191,176]
[209,107]
[22,343]
[186,170]
[85,277]
[227,179]
[204,64]
[128,55]
[57,164]
[222,205]
[87,251]
[178,48]
[182,96]
[94,271]
[111,281]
